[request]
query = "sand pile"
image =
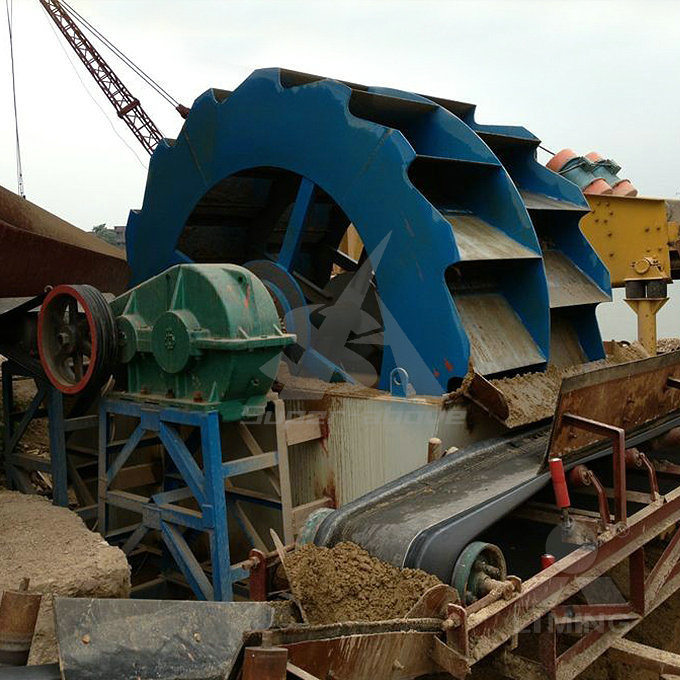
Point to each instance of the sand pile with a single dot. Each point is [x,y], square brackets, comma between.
[668,345]
[54,549]
[533,396]
[345,583]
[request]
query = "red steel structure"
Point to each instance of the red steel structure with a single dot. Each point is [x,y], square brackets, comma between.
[127,106]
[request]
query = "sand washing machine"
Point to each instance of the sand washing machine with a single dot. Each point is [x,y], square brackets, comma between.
[472,264]
[472,255]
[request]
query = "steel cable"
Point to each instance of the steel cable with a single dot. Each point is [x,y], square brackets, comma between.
[122,56]
[9,6]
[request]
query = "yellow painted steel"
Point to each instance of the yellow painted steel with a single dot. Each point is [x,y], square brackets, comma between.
[626,230]
[646,309]
[634,238]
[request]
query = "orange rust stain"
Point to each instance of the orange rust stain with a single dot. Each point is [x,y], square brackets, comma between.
[449,365]
[329,491]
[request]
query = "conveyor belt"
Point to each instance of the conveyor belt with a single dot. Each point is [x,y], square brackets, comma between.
[481,483]
[425,519]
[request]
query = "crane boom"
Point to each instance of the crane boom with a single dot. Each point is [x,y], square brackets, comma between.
[127,106]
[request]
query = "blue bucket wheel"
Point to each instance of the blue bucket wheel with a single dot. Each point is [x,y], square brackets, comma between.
[281,167]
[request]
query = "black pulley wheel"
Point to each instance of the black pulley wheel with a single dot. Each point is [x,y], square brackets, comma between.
[76,338]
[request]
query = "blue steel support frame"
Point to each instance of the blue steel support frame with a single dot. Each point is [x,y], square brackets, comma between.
[160,511]
[15,426]
[293,236]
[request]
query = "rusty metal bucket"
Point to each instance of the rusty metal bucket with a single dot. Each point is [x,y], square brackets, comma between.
[18,615]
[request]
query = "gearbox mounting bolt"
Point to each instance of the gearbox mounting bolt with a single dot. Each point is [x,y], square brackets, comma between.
[170,340]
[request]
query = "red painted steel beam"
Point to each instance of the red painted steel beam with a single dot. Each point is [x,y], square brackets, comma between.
[126,105]
[499,622]
[618,437]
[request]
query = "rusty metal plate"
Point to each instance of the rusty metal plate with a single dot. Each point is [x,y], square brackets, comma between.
[628,396]
[29,262]
[41,249]
[102,639]
[384,656]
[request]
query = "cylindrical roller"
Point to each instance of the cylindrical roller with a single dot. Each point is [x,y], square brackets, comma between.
[559,483]
[547,560]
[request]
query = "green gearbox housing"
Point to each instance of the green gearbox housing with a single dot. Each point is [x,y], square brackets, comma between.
[203,337]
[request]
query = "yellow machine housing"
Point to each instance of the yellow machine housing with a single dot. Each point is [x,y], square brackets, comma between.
[637,239]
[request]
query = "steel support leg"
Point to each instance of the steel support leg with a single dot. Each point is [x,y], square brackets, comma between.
[216,504]
[618,437]
[55,410]
[7,405]
[161,512]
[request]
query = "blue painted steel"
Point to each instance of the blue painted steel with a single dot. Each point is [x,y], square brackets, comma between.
[558,226]
[15,427]
[205,483]
[399,382]
[515,147]
[396,164]
[214,487]
[291,242]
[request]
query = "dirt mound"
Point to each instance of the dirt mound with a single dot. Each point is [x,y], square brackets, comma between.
[54,549]
[345,583]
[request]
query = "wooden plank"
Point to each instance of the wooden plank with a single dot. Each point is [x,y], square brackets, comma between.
[250,529]
[250,493]
[136,476]
[244,466]
[30,461]
[301,512]
[284,472]
[644,656]
[81,423]
[303,429]
[126,500]
[256,450]
[299,672]
[85,498]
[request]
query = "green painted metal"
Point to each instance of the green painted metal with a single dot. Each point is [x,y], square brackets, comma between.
[470,569]
[203,337]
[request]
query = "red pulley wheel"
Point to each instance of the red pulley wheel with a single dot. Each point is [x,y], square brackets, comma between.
[76,338]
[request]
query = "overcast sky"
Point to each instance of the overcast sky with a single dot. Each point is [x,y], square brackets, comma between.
[589,75]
